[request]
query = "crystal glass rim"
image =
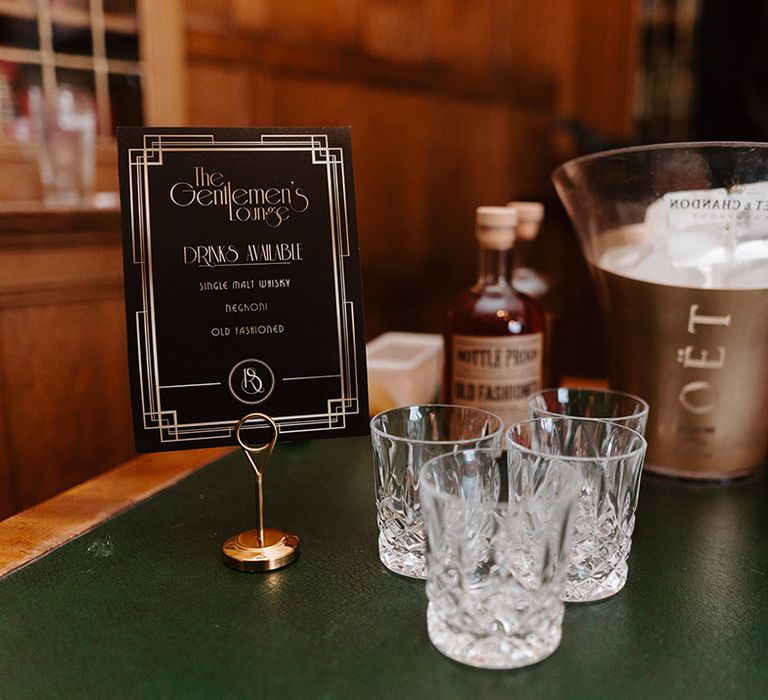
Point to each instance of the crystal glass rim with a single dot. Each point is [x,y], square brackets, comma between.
[413,441]
[559,418]
[574,476]
[581,160]
[609,392]
[447,497]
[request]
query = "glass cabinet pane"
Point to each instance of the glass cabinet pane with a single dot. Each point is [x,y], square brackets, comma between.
[122,46]
[19,32]
[72,40]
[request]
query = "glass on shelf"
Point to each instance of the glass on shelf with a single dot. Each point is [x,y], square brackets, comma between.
[15,81]
[64,122]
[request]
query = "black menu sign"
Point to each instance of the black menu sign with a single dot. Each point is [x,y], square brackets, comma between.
[242,283]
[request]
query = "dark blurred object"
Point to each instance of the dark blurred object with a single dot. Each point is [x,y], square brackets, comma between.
[666,72]
[582,139]
[733,71]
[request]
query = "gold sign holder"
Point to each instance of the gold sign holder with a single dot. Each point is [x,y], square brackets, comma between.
[261,549]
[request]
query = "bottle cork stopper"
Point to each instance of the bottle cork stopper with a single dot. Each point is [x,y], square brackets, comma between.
[529,217]
[495,226]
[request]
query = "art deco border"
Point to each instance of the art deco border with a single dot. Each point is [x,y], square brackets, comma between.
[164,419]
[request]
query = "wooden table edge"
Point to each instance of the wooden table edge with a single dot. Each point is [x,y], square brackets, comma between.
[33,533]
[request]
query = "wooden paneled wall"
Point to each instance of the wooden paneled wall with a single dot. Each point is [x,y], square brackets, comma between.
[64,403]
[452,103]
[441,122]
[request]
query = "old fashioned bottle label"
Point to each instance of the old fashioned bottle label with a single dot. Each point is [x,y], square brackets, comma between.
[497,373]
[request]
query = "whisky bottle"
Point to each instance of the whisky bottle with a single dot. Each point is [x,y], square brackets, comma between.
[525,278]
[529,280]
[494,334]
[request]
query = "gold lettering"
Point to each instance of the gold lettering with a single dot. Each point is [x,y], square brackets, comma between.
[708,398]
[685,358]
[695,319]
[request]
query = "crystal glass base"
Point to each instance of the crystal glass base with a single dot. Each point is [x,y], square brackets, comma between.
[590,589]
[492,651]
[403,563]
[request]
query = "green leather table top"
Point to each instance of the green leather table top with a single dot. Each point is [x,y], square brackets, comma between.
[142,607]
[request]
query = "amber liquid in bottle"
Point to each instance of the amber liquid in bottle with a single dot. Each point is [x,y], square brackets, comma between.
[493,342]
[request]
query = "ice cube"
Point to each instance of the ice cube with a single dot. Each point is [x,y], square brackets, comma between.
[712,231]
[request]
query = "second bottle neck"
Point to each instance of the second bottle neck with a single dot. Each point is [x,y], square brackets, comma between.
[495,267]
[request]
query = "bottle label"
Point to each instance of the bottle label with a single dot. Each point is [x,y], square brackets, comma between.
[497,373]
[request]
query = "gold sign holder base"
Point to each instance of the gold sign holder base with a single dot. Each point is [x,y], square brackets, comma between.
[243,553]
[260,549]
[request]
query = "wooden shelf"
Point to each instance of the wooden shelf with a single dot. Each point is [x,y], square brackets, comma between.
[126,24]
[21,10]
[20,179]
[71,17]
[30,217]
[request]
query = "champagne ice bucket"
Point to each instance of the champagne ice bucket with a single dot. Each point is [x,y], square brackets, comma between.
[676,237]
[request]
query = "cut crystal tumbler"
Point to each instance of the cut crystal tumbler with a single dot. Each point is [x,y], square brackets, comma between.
[610,460]
[496,556]
[616,406]
[403,440]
